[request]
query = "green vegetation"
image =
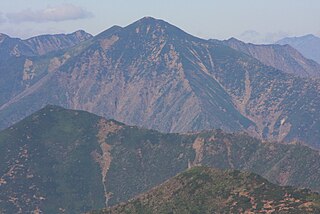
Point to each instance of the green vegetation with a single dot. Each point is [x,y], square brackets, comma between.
[205,190]
[58,159]
[48,155]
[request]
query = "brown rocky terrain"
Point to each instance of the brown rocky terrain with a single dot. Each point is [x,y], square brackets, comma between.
[153,74]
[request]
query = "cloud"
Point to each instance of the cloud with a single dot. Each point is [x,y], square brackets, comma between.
[250,36]
[2,19]
[50,14]
[259,38]
[274,37]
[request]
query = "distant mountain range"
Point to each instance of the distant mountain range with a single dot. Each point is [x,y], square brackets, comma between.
[155,75]
[16,65]
[282,57]
[205,190]
[66,161]
[40,45]
[308,45]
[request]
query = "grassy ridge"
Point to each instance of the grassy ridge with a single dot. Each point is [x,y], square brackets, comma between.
[62,160]
[206,190]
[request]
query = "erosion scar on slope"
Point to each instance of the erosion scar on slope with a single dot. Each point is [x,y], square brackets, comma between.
[104,159]
[247,94]
[198,147]
[229,153]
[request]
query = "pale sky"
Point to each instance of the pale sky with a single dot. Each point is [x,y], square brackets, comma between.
[259,21]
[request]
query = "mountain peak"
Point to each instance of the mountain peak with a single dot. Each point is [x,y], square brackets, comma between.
[148,20]
[146,27]
[297,38]
[235,40]
[310,36]
[308,45]
[3,37]
[156,27]
[81,35]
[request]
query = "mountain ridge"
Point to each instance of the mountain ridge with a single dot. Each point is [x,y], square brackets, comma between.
[35,45]
[75,161]
[282,57]
[308,45]
[206,190]
[170,81]
[16,66]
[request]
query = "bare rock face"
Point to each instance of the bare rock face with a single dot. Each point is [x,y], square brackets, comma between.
[153,74]
[142,75]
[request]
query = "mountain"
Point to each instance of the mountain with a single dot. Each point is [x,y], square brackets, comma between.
[308,45]
[136,75]
[46,164]
[282,57]
[47,43]
[66,161]
[205,190]
[17,69]
[40,45]
[153,74]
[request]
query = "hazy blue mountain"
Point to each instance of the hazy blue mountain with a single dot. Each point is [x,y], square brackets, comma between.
[282,57]
[308,45]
